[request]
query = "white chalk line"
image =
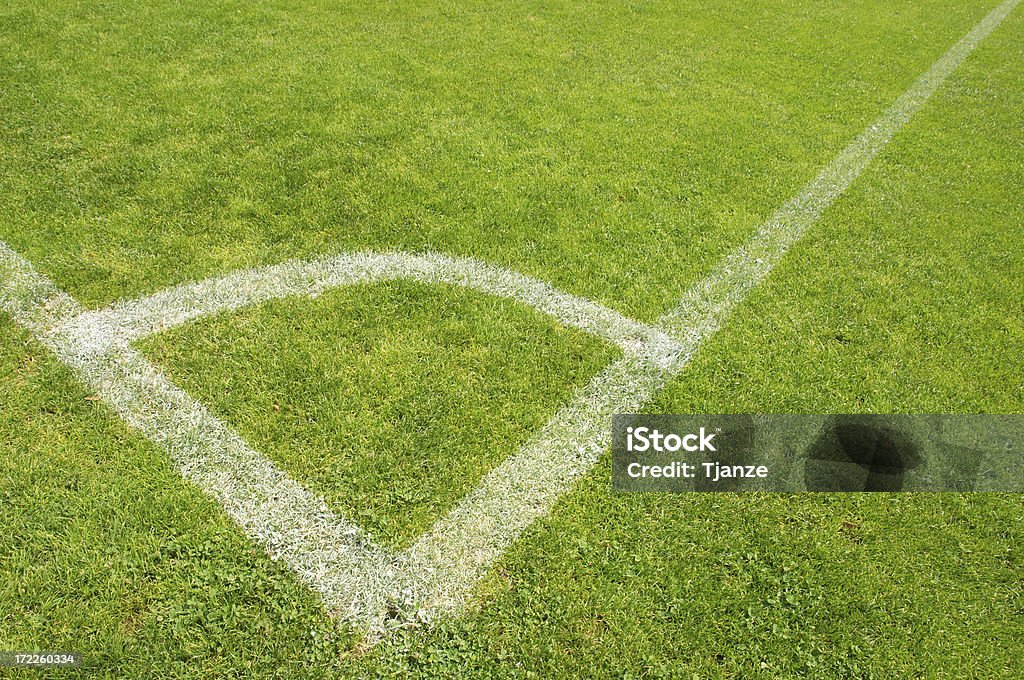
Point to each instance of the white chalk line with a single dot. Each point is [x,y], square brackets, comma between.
[461,545]
[293,524]
[130,320]
[361,582]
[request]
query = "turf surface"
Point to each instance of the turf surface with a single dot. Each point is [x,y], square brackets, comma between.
[616,151]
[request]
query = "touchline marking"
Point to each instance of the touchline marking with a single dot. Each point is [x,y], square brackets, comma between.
[460,546]
[704,307]
[363,583]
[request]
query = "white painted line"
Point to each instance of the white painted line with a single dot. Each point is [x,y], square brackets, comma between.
[130,320]
[461,545]
[361,582]
[331,554]
[358,580]
[708,303]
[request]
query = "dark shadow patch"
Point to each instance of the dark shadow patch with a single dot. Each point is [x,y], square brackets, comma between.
[860,453]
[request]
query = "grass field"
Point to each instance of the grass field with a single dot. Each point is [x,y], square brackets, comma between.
[617,151]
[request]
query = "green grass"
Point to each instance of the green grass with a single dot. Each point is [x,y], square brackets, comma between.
[561,141]
[614,150]
[390,400]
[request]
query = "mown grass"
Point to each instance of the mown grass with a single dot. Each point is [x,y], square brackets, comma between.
[390,400]
[617,152]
